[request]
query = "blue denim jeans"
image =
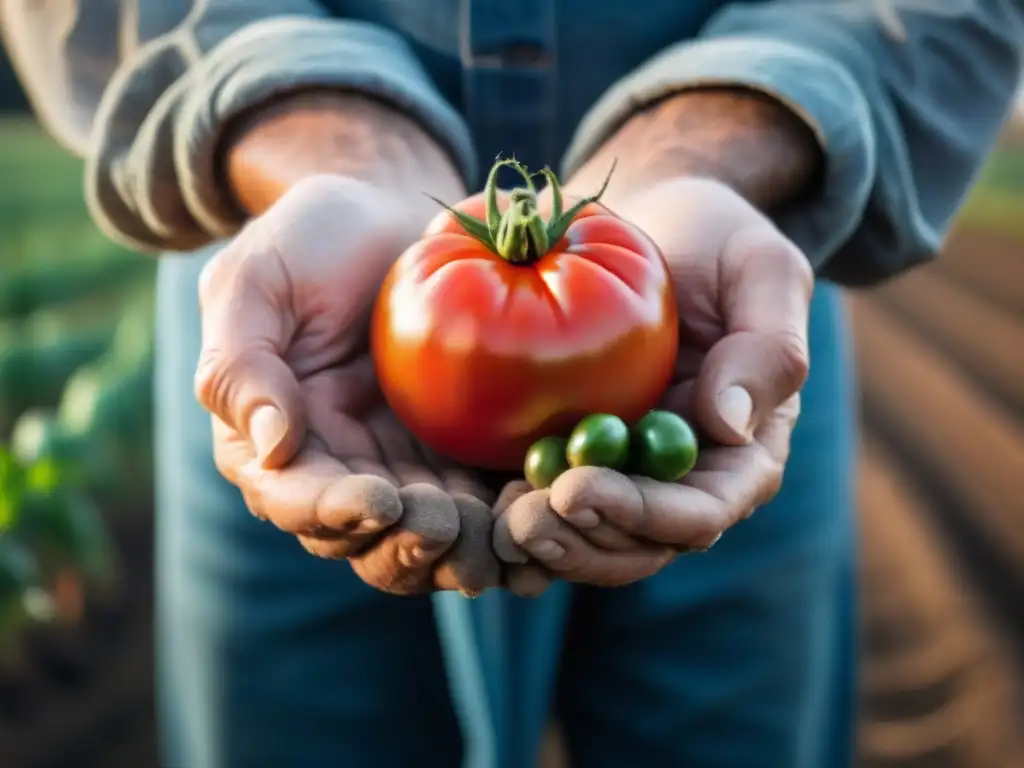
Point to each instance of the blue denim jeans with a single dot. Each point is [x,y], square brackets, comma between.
[742,657]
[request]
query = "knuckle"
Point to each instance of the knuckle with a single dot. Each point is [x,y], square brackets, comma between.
[221,270]
[531,518]
[771,471]
[798,265]
[509,495]
[327,549]
[708,530]
[211,277]
[224,463]
[358,504]
[332,201]
[700,545]
[212,382]
[234,270]
[576,485]
[217,376]
[790,410]
[325,188]
[254,503]
[794,358]
[527,580]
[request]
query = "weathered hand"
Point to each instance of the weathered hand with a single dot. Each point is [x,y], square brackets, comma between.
[299,424]
[743,292]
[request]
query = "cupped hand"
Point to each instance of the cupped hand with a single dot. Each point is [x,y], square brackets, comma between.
[743,291]
[299,424]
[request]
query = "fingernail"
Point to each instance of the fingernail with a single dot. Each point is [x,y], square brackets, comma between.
[267,428]
[736,408]
[411,557]
[700,549]
[583,518]
[546,550]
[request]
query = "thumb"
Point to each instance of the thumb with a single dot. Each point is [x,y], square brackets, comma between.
[763,359]
[242,377]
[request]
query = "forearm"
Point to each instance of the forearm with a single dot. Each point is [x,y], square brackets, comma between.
[740,137]
[270,148]
[905,103]
[151,120]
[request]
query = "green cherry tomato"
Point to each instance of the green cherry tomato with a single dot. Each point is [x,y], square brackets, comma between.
[545,461]
[599,440]
[662,447]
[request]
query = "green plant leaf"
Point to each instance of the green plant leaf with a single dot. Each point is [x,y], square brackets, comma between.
[8,512]
[65,529]
[557,227]
[44,475]
[12,487]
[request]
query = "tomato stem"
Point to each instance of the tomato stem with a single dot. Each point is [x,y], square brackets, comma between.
[519,234]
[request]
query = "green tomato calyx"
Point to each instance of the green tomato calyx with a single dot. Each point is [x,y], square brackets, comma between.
[519,234]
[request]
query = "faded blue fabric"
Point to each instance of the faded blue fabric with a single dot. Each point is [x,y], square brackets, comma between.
[744,656]
[740,657]
[905,96]
[269,657]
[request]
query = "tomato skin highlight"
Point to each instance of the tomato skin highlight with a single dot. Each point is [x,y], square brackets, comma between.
[480,357]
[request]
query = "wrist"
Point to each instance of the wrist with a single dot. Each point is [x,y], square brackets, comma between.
[300,135]
[741,138]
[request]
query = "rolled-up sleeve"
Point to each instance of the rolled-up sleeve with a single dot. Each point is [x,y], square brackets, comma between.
[905,96]
[143,91]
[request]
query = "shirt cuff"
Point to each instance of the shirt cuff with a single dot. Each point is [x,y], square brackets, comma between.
[153,183]
[816,88]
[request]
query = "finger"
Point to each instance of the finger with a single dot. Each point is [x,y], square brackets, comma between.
[603,505]
[530,580]
[462,482]
[327,545]
[401,456]
[349,388]
[231,450]
[316,494]
[763,359]
[509,493]
[504,546]
[747,477]
[342,436]
[678,398]
[401,562]
[457,479]
[246,325]
[556,546]
[727,486]
[470,565]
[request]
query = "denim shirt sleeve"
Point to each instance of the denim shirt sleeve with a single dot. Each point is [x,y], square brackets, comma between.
[905,96]
[143,88]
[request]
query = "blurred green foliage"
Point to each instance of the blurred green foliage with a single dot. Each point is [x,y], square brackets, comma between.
[996,202]
[76,336]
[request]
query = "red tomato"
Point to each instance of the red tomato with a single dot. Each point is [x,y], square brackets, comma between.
[479,356]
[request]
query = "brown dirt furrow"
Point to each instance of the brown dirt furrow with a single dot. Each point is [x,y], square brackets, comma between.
[78,723]
[970,452]
[990,264]
[984,340]
[956,709]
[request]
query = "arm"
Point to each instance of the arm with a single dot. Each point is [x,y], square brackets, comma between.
[273,146]
[152,121]
[904,105]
